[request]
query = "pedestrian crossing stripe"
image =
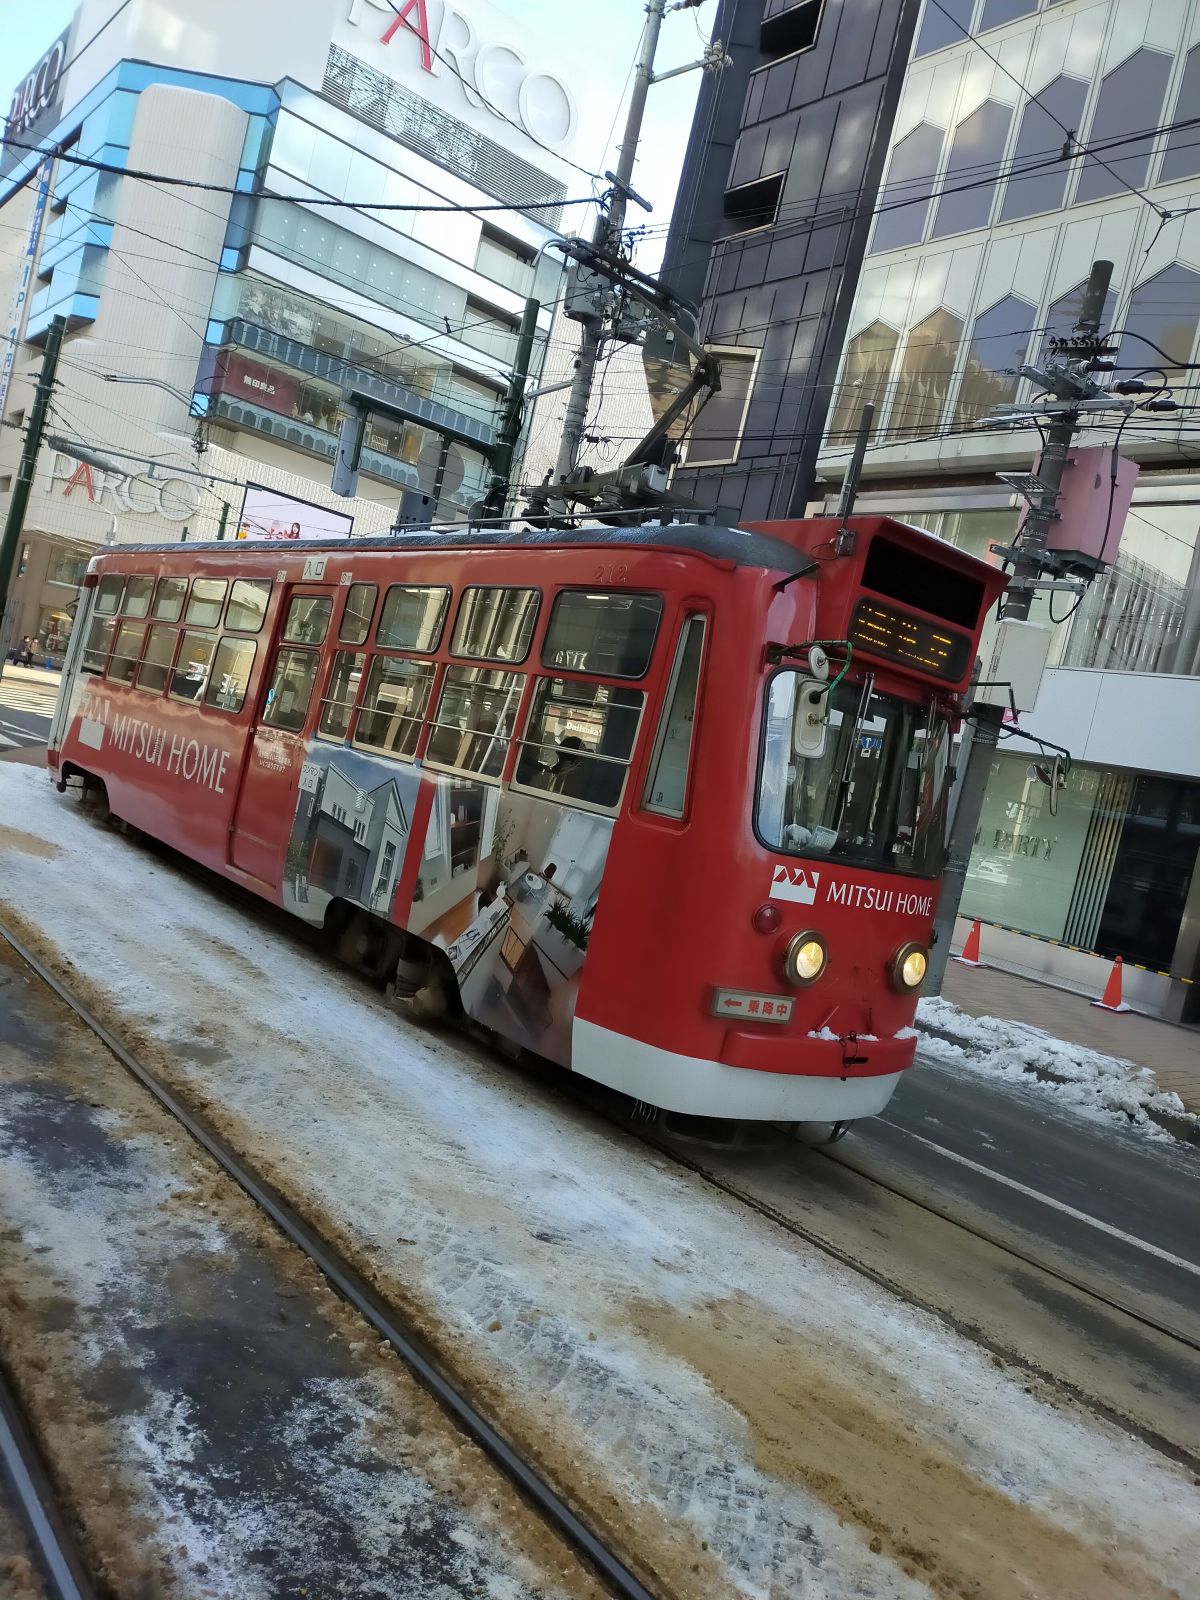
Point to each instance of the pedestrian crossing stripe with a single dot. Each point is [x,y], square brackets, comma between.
[16,697]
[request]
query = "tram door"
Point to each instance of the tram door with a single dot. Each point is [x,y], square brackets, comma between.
[271,774]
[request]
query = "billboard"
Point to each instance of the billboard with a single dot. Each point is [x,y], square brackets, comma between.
[269,514]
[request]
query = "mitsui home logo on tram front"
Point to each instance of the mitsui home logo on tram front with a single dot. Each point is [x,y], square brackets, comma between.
[798,884]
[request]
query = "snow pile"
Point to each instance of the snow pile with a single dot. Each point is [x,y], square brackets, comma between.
[1074,1074]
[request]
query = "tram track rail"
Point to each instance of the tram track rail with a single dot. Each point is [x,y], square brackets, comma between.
[344,1278]
[24,1472]
[669,1148]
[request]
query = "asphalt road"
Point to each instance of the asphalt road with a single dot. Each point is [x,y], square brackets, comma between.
[1069,1245]
[26,707]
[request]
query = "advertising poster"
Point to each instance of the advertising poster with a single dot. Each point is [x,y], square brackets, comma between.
[268,514]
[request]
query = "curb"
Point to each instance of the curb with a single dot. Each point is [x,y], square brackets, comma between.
[1181,1125]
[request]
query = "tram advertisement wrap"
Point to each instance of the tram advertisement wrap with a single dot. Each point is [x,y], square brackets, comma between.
[505,883]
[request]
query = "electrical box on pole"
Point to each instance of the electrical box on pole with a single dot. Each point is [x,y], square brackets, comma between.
[1013,676]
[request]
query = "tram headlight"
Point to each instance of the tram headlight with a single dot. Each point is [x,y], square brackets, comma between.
[908,967]
[805,958]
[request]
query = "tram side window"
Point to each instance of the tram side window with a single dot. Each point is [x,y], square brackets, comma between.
[357,613]
[248,601]
[338,704]
[307,619]
[495,624]
[108,593]
[474,720]
[126,651]
[230,675]
[156,663]
[207,598]
[191,666]
[666,787]
[394,703]
[412,618]
[579,740]
[168,599]
[136,600]
[609,634]
[291,689]
[95,651]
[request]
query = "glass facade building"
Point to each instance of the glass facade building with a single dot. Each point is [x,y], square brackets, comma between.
[1029,140]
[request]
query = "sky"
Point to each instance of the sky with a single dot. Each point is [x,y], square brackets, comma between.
[596,42]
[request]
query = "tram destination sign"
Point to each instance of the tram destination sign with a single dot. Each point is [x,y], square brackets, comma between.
[909,641]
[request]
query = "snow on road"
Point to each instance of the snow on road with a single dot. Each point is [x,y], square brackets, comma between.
[1084,1080]
[750,1416]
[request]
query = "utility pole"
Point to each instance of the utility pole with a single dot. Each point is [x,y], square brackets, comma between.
[1065,377]
[512,415]
[34,429]
[606,236]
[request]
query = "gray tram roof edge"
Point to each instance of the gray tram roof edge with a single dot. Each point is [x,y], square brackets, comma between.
[745,549]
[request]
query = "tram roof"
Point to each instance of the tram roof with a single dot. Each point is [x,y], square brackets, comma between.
[738,545]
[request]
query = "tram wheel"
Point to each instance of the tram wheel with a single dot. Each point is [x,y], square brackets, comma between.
[93,797]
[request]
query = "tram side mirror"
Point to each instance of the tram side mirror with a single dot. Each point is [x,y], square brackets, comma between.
[811,721]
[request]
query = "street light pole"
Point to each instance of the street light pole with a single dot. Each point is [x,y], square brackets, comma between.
[17,506]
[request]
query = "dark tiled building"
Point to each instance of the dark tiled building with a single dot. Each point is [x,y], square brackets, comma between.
[770,227]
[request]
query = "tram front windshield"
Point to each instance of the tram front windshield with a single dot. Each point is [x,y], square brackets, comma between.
[877,792]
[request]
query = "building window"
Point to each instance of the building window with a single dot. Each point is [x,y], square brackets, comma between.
[24,561]
[868,364]
[1059,105]
[905,198]
[789,26]
[969,185]
[69,570]
[504,261]
[1130,101]
[754,205]
[943,25]
[997,12]
[999,340]
[1165,309]
[930,355]
[715,436]
[1181,158]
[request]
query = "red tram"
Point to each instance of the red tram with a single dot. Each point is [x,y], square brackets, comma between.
[664,804]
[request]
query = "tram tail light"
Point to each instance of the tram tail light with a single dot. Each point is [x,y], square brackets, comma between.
[908,967]
[805,958]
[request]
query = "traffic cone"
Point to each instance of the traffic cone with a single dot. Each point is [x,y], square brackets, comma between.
[1111,999]
[970,950]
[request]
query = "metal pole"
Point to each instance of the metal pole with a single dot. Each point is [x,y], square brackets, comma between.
[15,521]
[509,431]
[975,774]
[1032,546]
[854,470]
[606,236]
[224,519]
[1027,568]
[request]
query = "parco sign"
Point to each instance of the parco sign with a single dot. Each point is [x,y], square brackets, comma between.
[176,499]
[489,74]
